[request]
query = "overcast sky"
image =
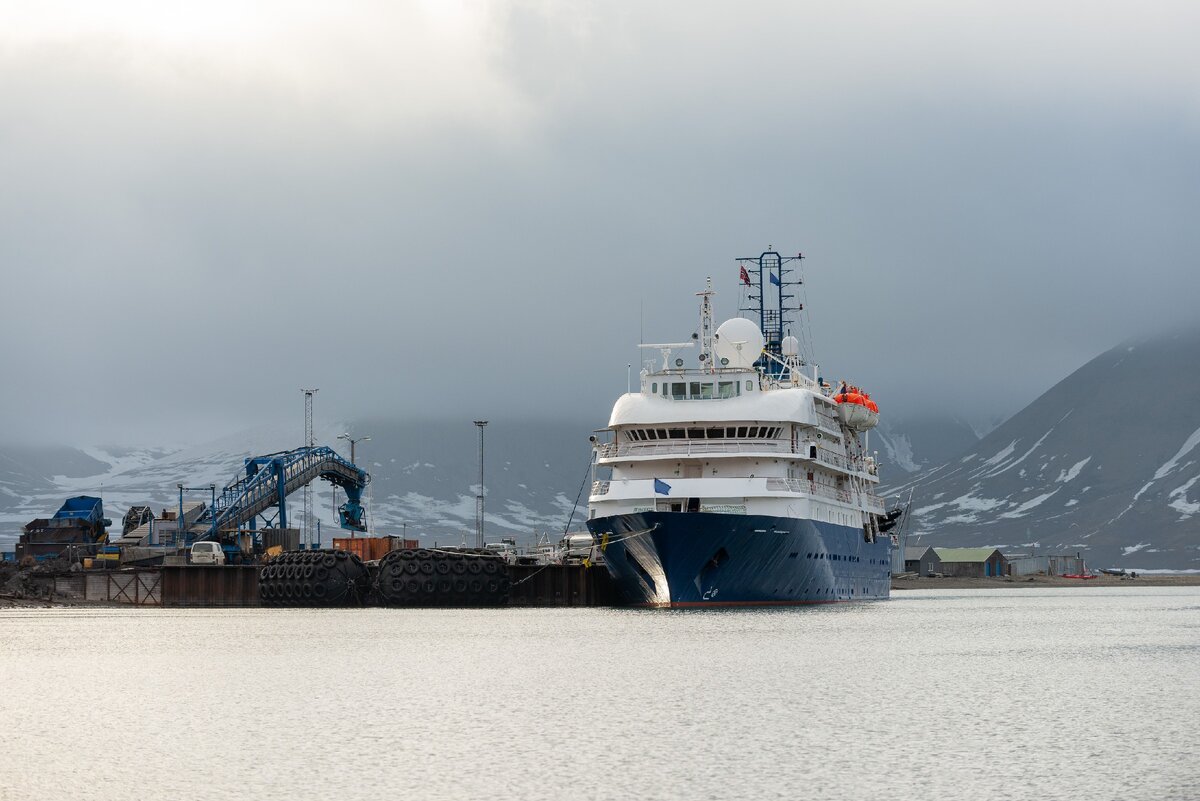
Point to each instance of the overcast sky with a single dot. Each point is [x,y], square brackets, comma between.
[441,208]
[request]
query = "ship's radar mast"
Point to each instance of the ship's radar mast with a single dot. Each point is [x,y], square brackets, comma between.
[706,329]
[772,299]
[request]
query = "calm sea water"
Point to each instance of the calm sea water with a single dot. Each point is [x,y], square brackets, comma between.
[1040,694]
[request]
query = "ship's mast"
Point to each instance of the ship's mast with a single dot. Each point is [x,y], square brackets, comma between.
[773,300]
[706,327]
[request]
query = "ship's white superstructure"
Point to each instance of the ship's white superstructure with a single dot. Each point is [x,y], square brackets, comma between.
[735,440]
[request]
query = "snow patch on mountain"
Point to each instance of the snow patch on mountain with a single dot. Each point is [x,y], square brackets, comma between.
[1001,456]
[1032,503]
[1025,455]
[899,451]
[1069,475]
[1185,449]
[1179,499]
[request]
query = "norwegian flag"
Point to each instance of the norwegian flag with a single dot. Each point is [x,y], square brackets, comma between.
[745,276]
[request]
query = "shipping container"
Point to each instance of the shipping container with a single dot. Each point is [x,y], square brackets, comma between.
[368,549]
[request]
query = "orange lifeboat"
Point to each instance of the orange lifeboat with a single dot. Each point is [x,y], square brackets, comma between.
[856,410]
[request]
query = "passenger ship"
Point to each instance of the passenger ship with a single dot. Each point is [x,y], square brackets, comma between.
[744,478]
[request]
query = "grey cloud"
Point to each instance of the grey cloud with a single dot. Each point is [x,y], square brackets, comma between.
[986,202]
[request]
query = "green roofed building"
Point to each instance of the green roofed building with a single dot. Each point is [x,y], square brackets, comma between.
[971,562]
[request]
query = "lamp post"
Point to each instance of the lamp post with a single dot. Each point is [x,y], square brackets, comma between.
[353,440]
[479,498]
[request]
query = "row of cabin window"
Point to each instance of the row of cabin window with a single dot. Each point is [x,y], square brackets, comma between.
[731,432]
[700,390]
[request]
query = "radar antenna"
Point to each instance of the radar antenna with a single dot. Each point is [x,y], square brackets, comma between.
[666,348]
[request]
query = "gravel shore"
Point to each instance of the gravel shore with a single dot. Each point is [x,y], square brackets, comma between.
[1017,582]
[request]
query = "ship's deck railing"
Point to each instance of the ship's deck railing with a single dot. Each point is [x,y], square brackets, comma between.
[687,447]
[692,447]
[871,501]
[809,487]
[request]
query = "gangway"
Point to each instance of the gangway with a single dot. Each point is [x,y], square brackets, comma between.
[269,479]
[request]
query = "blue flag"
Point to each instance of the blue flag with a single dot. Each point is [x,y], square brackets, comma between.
[775,279]
[661,487]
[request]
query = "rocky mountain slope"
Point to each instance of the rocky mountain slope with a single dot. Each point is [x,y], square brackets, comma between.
[1107,462]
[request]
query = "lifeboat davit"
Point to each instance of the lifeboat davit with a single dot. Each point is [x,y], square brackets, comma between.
[856,410]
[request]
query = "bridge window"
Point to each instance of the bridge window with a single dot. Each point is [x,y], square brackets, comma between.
[654,388]
[741,432]
[675,433]
[749,386]
[695,433]
[695,393]
[706,391]
[716,433]
[678,390]
[726,389]
[650,433]
[753,432]
[662,433]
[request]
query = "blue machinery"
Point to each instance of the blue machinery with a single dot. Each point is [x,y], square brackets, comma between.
[775,314]
[270,479]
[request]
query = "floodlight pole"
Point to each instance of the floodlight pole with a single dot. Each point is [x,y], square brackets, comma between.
[479,497]
[352,441]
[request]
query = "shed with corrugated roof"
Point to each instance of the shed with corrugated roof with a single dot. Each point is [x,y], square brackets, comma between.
[972,562]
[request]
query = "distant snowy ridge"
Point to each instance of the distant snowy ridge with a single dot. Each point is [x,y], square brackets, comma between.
[1084,467]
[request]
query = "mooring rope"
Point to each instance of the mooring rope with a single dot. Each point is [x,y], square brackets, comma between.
[604,544]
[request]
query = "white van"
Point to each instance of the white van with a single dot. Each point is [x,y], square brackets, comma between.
[207,553]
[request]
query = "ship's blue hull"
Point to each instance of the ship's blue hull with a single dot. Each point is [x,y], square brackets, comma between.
[680,559]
